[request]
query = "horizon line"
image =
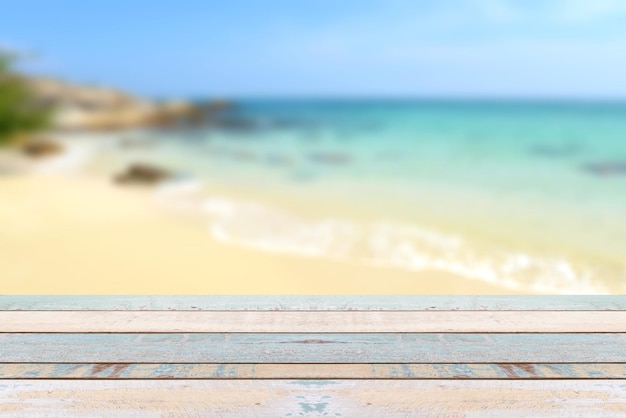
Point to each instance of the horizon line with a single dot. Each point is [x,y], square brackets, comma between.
[406,98]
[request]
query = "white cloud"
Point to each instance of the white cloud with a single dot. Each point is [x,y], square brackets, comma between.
[555,11]
[587,10]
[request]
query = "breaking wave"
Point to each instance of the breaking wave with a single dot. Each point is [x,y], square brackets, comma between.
[388,244]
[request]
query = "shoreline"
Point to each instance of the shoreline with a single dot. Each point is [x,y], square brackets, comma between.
[67,235]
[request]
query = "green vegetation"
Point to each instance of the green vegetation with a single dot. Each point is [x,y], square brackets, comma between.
[20,111]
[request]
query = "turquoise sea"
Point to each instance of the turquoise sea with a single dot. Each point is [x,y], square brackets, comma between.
[529,195]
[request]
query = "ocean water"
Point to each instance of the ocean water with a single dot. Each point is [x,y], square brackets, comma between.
[527,195]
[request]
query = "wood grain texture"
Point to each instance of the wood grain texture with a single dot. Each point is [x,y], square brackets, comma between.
[314,303]
[167,371]
[361,398]
[313,348]
[327,322]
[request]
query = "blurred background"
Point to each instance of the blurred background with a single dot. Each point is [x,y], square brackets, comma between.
[313,147]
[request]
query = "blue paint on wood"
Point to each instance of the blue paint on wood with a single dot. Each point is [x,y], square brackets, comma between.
[298,348]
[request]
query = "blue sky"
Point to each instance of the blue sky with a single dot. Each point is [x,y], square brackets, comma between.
[472,48]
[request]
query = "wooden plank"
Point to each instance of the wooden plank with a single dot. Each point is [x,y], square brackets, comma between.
[314,303]
[236,398]
[307,321]
[162,371]
[313,348]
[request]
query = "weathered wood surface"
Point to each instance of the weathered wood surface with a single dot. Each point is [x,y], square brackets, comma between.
[307,321]
[167,371]
[314,303]
[144,356]
[354,398]
[313,348]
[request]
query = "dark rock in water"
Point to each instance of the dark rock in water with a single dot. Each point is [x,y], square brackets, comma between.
[242,122]
[332,158]
[40,148]
[216,105]
[143,174]
[606,168]
[295,124]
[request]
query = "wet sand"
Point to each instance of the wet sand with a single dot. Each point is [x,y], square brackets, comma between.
[67,235]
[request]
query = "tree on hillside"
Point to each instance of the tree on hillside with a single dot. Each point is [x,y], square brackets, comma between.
[20,111]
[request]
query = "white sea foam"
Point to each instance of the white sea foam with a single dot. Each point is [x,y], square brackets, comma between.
[179,186]
[514,270]
[387,244]
[269,229]
[181,194]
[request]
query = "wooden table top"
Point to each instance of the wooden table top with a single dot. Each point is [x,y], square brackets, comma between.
[145,356]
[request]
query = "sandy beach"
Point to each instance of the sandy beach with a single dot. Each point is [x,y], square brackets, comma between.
[68,235]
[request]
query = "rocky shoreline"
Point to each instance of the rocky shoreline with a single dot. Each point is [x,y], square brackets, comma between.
[97,108]
[78,108]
